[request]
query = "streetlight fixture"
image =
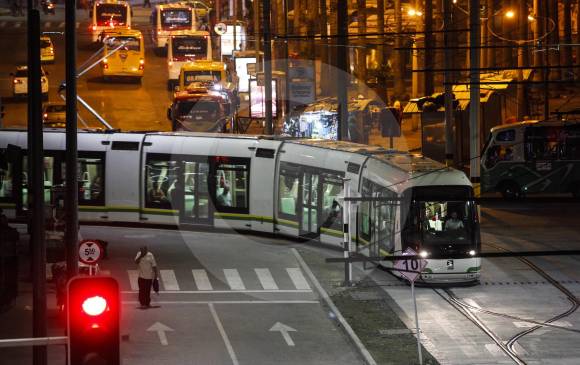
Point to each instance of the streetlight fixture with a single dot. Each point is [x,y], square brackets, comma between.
[510,14]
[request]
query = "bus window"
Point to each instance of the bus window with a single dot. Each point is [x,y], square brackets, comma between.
[192,76]
[543,143]
[571,150]
[126,43]
[111,14]
[173,19]
[497,154]
[189,48]
[506,136]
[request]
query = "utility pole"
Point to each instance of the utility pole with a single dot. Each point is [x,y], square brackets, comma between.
[546,62]
[522,105]
[429,54]
[474,98]
[447,82]
[399,75]
[267,66]
[72,188]
[538,32]
[342,65]
[36,185]
[382,87]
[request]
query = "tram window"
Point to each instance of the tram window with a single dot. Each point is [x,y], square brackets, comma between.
[231,187]
[161,175]
[6,181]
[331,208]
[91,180]
[288,190]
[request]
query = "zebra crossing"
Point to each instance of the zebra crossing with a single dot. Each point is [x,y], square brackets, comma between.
[229,280]
[45,25]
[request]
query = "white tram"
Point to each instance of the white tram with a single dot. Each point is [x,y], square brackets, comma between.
[290,187]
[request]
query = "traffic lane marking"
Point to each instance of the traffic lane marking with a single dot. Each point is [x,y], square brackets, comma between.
[195,338]
[317,339]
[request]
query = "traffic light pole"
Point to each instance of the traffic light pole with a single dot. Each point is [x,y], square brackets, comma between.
[71,194]
[36,185]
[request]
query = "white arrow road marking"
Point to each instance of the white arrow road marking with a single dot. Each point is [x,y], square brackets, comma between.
[160,328]
[284,329]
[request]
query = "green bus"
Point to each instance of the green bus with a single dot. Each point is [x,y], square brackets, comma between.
[532,157]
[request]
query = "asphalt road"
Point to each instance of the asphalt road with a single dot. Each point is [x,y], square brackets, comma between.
[125,105]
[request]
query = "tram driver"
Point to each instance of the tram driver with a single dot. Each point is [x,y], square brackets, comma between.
[454,223]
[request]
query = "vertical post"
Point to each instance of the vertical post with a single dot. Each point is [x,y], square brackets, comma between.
[346,233]
[547,62]
[342,65]
[474,99]
[400,86]
[448,79]
[71,193]
[36,185]
[286,63]
[429,53]
[267,66]
[419,351]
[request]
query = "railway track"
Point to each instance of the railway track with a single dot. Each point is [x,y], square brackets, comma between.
[508,347]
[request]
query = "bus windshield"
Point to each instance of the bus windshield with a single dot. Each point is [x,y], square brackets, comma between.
[192,76]
[188,48]
[172,19]
[442,218]
[126,43]
[111,13]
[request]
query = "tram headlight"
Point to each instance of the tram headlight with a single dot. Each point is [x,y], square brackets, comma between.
[424,254]
[472,253]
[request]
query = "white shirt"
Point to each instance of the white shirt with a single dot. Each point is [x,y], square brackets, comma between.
[146,265]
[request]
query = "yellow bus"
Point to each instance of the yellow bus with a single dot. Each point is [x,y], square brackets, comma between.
[129,58]
[109,15]
[204,71]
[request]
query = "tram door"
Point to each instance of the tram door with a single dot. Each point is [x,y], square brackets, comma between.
[196,203]
[309,221]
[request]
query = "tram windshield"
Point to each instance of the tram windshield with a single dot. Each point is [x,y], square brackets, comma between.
[442,218]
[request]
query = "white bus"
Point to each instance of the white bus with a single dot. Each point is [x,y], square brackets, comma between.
[168,18]
[186,46]
[108,15]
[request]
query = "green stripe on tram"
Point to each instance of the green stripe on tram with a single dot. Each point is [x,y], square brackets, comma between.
[7,205]
[332,232]
[474,269]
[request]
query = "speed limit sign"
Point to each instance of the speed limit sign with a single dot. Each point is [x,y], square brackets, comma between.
[410,268]
[90,252]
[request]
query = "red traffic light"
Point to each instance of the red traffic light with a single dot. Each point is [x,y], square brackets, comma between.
[93,312]
[94,306]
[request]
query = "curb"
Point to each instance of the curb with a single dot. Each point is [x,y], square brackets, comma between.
[347,328]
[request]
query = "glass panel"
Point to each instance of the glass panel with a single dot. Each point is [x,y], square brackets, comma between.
[202,193]
[306,188]
[161,178]
[331,208]
[189,177]
[288,186]
[91,180]
[48,173]
[231,177]
[6,181]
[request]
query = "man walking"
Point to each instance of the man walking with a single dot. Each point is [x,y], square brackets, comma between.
[147,274]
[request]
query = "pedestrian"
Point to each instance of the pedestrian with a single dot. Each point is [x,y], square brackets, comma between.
[147,274]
